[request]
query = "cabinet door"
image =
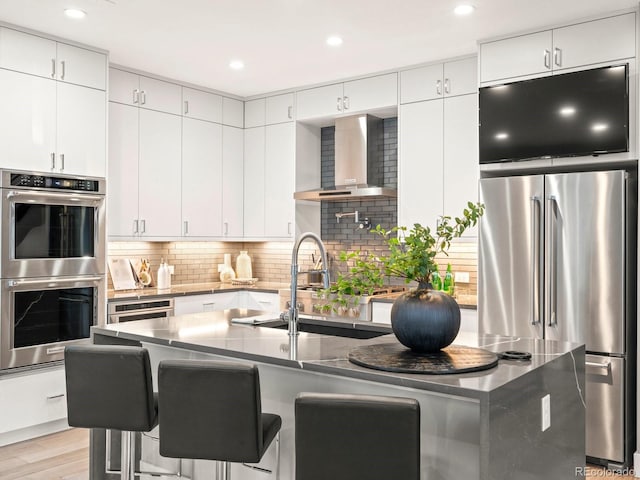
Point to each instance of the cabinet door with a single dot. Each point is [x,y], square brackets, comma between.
[279,180]
[123,87]
[232,112]
[81,66]
[232,181]
[420,171]
[28,121]
[461,168]
[279,109]
[203,303]
[598,41]
[201,178]
[82,132]
[254,113]
[122,181]
[254,182]
[371,93]
[161,96]
[201,105]
[27,53]
[460,77]
[424,83]
[514,57]
[159,170]
[319,102]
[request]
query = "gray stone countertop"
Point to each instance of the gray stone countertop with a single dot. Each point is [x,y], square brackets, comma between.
[213,333]
[192,289]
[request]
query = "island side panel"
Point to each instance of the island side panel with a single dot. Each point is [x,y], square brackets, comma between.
[450,425]
[514,446]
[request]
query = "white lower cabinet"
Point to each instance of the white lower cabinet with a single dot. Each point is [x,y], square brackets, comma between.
[381,312]
[30,400]
[210,302]
[265,301]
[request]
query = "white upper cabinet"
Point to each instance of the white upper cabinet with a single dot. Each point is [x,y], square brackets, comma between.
[201,105]
[448,79]
[145,92]
[279,109]
[254,113]
[232,112]
[279,180]
[370,93]
[232,181]
[350,97]
[254,182]
[588,43]
[201,178]
[35,55]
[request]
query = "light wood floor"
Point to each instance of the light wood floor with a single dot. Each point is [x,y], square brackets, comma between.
[65,456]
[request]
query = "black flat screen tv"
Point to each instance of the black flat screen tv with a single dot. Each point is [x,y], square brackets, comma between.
[572,114]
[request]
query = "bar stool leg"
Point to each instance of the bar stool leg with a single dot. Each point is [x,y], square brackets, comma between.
[223,470]
[127,459]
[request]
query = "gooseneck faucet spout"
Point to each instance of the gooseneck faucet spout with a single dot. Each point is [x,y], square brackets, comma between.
[293,308]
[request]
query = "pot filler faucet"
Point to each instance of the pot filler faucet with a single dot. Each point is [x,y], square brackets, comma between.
[293,309]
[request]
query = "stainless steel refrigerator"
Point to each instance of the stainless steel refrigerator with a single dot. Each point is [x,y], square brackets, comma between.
[557,260]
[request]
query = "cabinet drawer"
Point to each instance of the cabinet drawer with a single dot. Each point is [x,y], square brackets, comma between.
[203,303]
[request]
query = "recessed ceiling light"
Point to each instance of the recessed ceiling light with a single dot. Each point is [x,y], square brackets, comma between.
[599,127]
[334,41]
[236,64]
[464,9]
[501,136]
[75,13]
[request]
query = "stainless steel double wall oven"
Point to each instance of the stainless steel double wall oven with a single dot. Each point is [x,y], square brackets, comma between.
[52,264]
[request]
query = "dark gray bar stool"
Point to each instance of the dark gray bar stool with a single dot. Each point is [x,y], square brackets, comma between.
[352,437]
[212,411]
[110,387]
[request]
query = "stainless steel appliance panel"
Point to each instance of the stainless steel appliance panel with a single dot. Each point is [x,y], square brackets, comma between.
[127,311]
[510,260]
[605,394]
[37,243]
[585,259]
[40,316]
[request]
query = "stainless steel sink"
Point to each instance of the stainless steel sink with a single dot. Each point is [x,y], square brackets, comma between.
[333,328]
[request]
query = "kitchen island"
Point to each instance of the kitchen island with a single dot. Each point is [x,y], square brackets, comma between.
[485,425]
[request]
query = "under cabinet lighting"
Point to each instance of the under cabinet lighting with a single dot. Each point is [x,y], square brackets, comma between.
[75,13]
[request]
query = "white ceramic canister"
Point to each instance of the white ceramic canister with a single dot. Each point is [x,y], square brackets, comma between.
[243,265]
[226,272]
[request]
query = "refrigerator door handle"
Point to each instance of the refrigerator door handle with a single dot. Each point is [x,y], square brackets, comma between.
[535,259]
[553,268]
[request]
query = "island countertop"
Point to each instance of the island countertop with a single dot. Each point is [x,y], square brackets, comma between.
[214,333]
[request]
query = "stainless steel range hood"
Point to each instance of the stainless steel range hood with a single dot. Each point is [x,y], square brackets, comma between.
[359,169]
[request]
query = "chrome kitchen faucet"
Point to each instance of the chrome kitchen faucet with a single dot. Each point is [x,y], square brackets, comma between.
[293,308]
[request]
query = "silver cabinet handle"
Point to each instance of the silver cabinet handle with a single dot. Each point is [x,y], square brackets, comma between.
[289,224]
[547,59]
[186,107]
[62,64]
[143,97]
[53,68]
[143,226]
[186,227]
[557,57]
[53,397]
[345,103]
[438,87]
[535,259]
[606,365]
[290,111]
[135,226]
[136,96]
[553,258]
[53,161]
[62,162]
[446,86]
[226,228]
[339,104]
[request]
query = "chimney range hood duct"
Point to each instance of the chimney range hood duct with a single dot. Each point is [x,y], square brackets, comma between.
[359,171]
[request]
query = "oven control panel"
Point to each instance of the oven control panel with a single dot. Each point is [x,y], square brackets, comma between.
[56,183]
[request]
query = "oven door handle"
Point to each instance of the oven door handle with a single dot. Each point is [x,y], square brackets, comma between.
[62,280]
[63,196]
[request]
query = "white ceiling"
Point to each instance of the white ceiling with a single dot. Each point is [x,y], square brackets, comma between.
[282,42]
